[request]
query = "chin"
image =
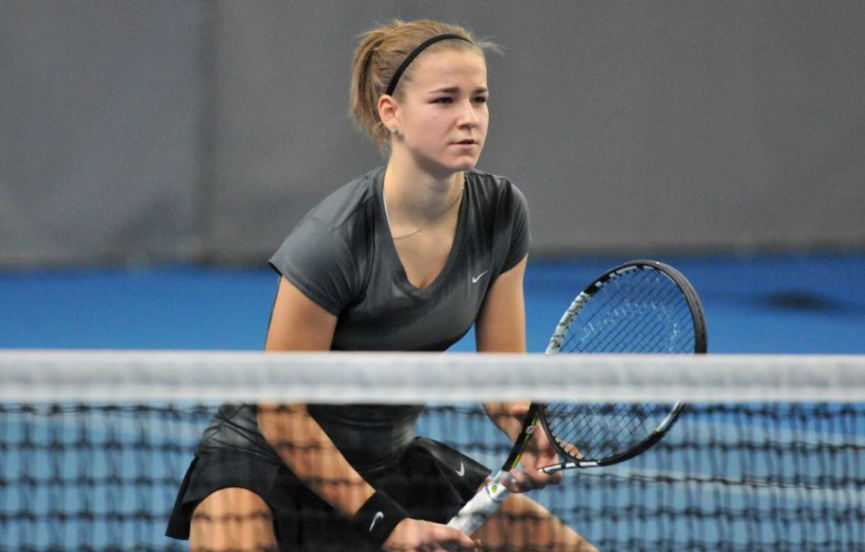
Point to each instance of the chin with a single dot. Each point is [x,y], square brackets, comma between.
[452,165]
[465,166]
[448,169]
[465,163]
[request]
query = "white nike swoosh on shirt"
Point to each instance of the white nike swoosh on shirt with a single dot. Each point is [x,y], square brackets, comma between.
[478,277]
[462,471]
[375,518]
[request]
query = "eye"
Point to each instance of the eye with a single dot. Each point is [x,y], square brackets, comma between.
[443,100]
[481,99]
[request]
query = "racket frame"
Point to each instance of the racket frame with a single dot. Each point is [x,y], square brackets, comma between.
[487,500]
[570,316]
[582,299]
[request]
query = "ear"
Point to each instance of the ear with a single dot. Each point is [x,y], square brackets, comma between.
[387,112]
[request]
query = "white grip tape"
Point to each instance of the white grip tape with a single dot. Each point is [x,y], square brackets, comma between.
[478,509]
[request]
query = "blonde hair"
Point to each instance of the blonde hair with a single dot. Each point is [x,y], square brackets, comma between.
[380,53]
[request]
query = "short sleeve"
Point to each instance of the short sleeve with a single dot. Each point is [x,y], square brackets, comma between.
[517,214]
[319,262]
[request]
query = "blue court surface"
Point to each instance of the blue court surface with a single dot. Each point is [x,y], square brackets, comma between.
[781,304]
[771,304]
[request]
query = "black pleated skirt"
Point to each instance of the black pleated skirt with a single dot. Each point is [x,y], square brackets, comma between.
[432,482]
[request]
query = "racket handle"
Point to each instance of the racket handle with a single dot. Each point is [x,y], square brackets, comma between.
[482,505]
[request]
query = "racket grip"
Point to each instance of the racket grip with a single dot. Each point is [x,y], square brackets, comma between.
[482,505]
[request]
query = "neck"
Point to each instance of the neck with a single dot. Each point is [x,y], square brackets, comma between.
[415,197]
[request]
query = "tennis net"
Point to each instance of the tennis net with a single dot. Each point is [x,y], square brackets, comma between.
[768,456]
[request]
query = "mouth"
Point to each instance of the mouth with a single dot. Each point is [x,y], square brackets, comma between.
[466,142]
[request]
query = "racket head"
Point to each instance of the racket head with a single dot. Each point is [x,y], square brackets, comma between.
[648,298]
[592,435]
[642,307]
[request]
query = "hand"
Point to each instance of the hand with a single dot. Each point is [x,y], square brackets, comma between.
[414,535]
[538,454]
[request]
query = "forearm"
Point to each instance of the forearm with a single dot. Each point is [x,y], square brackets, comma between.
[502,415]
[299,324]
[308,451]
[501,328]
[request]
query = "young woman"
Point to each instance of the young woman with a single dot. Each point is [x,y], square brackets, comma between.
[404,258]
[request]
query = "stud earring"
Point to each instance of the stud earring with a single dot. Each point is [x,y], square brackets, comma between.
[395,131]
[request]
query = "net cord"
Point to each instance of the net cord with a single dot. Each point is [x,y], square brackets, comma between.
[399,378]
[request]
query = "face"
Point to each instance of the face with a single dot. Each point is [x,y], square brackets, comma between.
[442,113]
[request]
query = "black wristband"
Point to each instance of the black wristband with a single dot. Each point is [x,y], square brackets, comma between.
[377,518]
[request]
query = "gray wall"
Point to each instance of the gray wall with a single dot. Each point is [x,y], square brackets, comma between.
[172,131]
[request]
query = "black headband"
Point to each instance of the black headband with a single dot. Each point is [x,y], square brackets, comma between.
[414,53]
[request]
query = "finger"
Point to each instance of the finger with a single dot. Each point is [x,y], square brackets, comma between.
[519,410]
[534,479]
[515,483]
[572,450]
[462,542]
[538,479]
[522,482]
[542,448]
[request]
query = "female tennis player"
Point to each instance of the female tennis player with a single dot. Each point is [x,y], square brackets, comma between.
[403,258]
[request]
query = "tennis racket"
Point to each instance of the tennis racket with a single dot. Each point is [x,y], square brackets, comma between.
[637,307]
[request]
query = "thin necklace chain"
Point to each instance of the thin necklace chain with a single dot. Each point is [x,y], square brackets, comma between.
[428,223]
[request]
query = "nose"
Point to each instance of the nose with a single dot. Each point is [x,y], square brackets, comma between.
[469,116]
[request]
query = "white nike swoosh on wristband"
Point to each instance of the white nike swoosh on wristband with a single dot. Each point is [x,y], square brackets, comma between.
[375,518]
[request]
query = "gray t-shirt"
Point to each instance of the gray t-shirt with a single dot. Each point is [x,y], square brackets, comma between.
[342,256]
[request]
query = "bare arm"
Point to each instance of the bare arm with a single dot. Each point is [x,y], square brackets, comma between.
[501,323]
[299,324]
[501,328]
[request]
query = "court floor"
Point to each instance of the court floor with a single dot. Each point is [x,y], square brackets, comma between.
[769,304]
[780,304]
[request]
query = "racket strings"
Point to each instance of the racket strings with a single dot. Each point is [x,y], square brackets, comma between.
[638,311]
[641,311]
[600,430]
[672,323]
[637,322]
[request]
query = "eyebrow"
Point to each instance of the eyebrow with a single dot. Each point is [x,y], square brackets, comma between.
[455,89]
